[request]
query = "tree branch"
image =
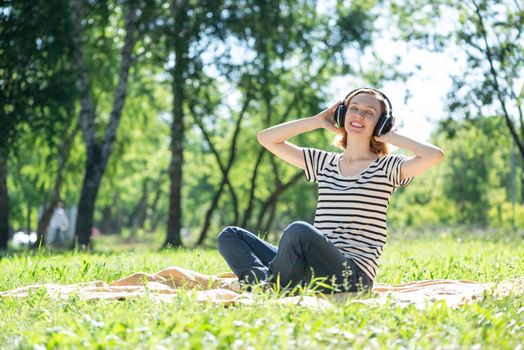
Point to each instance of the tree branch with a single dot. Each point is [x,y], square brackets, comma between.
[123,74]
[224,169]
[83,83]
[493,73]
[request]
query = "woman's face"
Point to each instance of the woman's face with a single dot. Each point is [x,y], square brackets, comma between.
[362,115]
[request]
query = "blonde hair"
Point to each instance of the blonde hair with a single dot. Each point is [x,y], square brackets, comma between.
[341,140]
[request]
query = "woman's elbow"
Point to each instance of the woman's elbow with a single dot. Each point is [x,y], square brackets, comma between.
[260,137]
[438,155]
[266,137]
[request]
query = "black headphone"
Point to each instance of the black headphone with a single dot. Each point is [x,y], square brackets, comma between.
[385,121]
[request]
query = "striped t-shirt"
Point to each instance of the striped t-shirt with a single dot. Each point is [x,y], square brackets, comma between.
[351,210]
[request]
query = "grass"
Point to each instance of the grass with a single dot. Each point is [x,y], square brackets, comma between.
[37,322]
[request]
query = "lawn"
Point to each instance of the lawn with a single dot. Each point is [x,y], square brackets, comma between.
[41,323]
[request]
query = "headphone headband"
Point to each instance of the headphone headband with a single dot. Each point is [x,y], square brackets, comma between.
[363,89]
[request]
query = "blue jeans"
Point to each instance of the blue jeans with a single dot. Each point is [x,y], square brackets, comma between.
[304,256]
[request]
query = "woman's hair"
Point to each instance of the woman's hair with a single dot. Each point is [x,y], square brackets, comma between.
[341,140]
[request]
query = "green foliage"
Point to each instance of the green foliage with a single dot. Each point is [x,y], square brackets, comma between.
[278,57]
[37,84]
[140,153]
[484,36]
[479,184]
[472,185]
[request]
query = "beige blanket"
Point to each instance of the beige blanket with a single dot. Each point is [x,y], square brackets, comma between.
[224,289]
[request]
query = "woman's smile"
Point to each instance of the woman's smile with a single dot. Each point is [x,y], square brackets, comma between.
[356,125]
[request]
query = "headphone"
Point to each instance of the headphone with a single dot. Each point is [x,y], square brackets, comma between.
[385,121]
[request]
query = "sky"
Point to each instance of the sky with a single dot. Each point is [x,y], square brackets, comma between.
[428,87]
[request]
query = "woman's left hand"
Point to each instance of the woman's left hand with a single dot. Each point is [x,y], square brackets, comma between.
[386,138]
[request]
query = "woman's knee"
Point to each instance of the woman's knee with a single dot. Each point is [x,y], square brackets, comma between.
[298,229]
[226,234]
[298,226]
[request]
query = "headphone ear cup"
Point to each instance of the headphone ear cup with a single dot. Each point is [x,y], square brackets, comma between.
[384,125]
[340,115]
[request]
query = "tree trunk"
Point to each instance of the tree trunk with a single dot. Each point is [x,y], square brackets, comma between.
[106,223]
[267,204]
[98,154]
[209,213]
[117,219]
[111,222]
[272,200]
[180,45]
[4,202]
[153,218]
[174,222]
[29,209]
[273,205]
[138,215]
[153,215]
[86,206]
[251,202]
[43,223]
[269,222]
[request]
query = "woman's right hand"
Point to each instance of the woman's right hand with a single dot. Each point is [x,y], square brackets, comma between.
[327,119]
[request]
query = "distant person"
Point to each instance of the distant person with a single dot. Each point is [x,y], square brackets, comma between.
[344,244]
[58,226]
[95,232]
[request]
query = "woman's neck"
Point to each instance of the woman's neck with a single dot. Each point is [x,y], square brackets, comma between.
[356,150]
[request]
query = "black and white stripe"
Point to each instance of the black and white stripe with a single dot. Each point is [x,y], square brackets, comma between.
[351,210]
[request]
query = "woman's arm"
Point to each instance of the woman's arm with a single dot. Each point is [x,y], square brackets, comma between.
[275,138]
[426,154]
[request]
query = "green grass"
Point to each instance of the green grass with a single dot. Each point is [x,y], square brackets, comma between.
[37,322]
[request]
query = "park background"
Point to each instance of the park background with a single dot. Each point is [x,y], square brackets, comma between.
[141,116]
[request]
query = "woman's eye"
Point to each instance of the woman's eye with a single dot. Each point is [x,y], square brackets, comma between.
[368,113]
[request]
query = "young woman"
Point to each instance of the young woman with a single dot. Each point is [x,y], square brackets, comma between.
[344,245]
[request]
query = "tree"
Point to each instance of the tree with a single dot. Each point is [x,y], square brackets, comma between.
[281,75]
[488,33]
[4,199]
[185,24]
[296,56]
[98,151]
[37,90]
